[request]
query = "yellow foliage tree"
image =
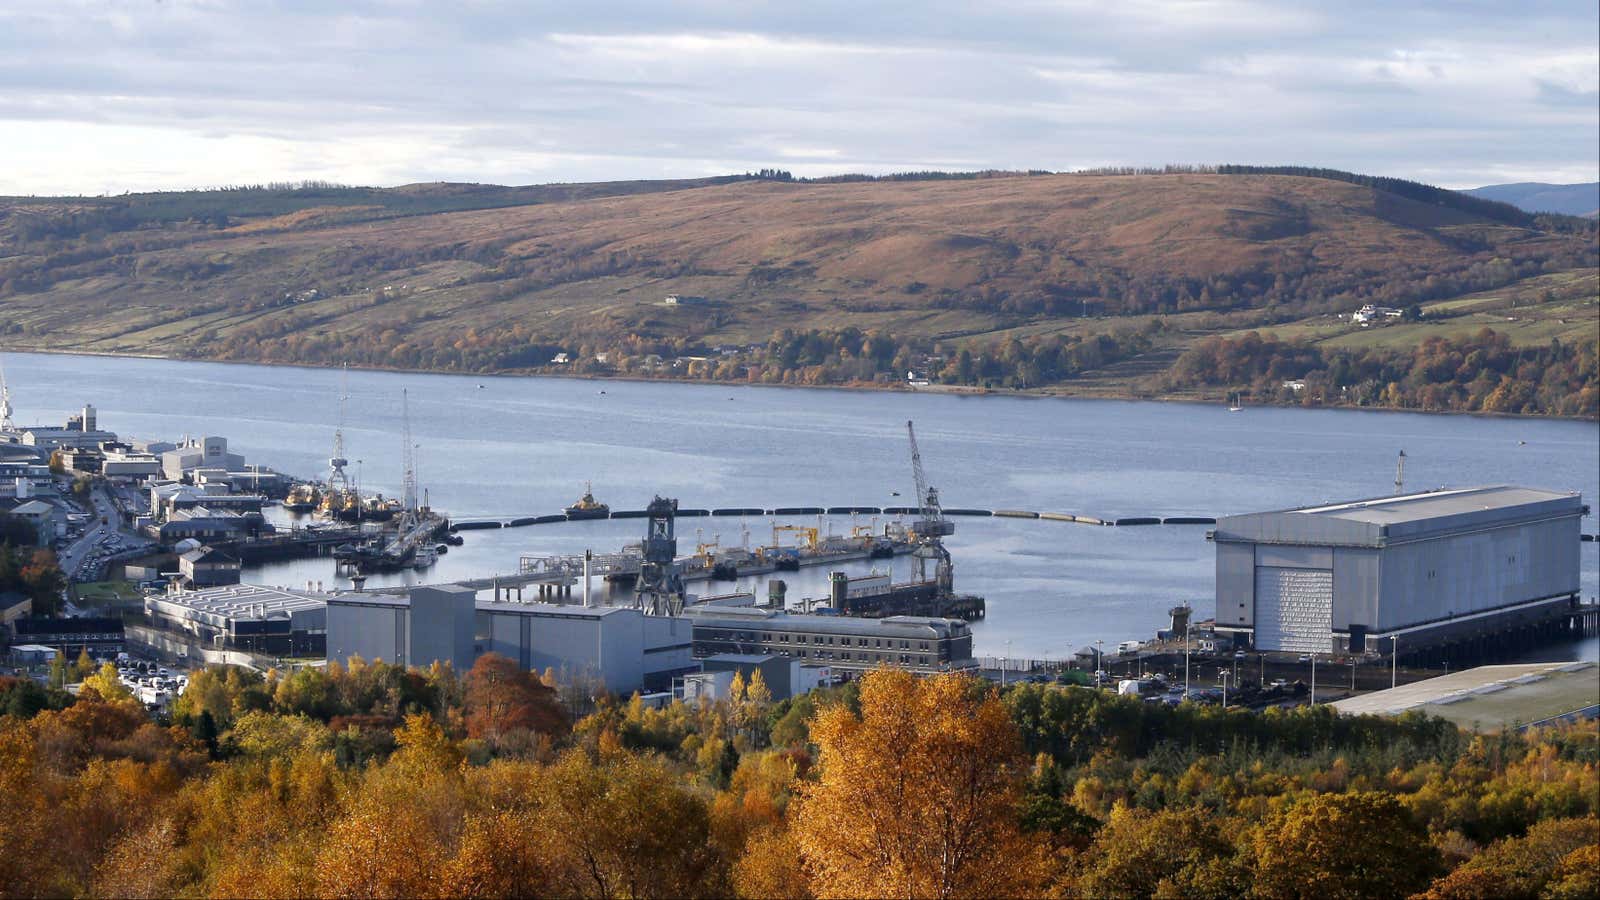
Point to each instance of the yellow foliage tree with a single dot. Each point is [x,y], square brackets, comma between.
[918,795]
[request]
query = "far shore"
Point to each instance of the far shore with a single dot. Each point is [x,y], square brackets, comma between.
[1053,392]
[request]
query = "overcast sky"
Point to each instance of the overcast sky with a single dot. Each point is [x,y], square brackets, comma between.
[106,96]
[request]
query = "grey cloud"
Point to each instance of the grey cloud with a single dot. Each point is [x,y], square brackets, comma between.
[634,88]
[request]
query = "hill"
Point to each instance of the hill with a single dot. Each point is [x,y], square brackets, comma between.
[1538,196]
[1038,279]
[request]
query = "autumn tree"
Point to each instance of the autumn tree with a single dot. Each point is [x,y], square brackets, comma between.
[1525,866]
[1140,853]
[1332,846]
[502,698]
[917,795]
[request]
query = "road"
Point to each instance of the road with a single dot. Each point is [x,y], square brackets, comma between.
[78,559]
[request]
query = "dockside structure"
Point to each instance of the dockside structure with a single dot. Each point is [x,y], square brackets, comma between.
[620,647]
[924,645]
[1423,569]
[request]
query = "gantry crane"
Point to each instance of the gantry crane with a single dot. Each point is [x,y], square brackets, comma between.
[931,526]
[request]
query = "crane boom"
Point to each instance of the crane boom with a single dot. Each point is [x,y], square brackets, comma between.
[931,522]
[407,456]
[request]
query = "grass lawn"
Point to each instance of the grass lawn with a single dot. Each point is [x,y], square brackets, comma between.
[105,593]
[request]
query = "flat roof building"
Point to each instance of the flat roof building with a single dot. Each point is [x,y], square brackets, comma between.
[916,643]
[245,617]
[620,647]
[1426,569]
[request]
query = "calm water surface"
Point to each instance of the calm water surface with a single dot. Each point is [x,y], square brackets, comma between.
[501,447]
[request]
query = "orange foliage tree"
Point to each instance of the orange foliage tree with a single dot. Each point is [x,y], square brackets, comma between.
[917,795]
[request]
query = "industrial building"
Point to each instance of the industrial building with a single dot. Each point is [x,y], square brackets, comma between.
[102,636]
[1422,570]
[205,567]
[40,515]
[620,647]
[784,676]
[205,453]
[915,643]
[80,431]
[245,617]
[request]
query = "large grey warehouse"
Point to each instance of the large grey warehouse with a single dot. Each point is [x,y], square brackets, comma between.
[619,646]
[1422,569]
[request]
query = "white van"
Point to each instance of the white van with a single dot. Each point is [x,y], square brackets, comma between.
[1129,646]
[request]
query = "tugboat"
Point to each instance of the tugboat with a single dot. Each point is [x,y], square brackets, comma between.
[587,507]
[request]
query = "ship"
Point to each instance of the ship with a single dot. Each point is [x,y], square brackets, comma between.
[303,498]
[587,507]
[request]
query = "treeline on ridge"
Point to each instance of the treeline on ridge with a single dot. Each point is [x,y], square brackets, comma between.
[1478,373]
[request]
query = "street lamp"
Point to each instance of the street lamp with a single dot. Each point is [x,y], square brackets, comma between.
[1394,662]
[1099,659]
[1003,660]
[1224,674]
[1187,629]
[1313,679]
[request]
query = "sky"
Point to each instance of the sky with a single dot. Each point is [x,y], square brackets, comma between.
[108,96]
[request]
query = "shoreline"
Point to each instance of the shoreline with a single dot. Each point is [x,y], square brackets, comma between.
[895,387]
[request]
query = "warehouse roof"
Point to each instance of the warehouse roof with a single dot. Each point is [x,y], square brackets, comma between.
[1490,696]
[240,601]
[1380,520]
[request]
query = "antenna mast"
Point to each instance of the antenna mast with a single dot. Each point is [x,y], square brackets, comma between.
[1400,474]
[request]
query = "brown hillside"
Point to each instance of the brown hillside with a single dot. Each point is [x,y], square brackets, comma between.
[918,258]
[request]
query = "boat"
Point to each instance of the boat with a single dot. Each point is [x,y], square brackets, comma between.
[303,498]
[423,557]
[1235,402]
[587,507]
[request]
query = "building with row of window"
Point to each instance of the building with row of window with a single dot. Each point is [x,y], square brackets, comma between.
[246,617]
[842,643]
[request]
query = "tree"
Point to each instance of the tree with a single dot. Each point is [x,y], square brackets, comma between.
[918,795]
[502,698]
[1525,866]
[1343,845]
[1139,852]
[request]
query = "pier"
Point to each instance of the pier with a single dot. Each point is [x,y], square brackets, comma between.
[744,511]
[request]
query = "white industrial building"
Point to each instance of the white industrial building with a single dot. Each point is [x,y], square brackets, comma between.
[1423,569]
[205,453]
[80,432]
[244,617]
[620,647]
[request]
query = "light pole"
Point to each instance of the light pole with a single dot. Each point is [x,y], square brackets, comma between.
[1224,674]
[1394,662]
[1352,675]
[1187,629]
[1313,679]
[1003,660]
[1099,659]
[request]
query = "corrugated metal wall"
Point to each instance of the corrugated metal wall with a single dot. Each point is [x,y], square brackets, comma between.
[1462,574]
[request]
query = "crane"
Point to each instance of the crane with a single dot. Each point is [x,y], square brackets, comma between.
[337,479]
[931,526]
[408,458]
[5,402]
[931,521]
